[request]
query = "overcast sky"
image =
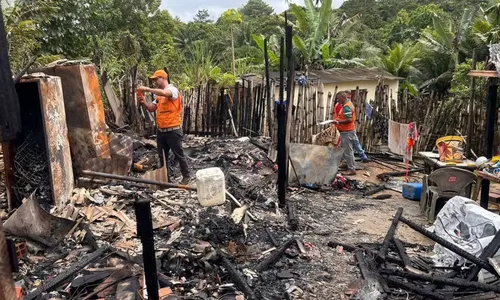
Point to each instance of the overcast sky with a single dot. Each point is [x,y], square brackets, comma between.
[186,9]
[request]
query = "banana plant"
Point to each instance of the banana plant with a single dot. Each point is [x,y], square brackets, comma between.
[272,47]
[487,27]
[311,26]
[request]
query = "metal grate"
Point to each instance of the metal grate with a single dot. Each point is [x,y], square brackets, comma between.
[32,169]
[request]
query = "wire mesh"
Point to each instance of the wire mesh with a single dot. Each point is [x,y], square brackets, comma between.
[31,169]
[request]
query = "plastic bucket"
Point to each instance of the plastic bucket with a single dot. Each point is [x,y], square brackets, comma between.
[450,149]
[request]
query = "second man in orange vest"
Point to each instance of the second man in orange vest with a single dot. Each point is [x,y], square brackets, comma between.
[168,107]
[345,120]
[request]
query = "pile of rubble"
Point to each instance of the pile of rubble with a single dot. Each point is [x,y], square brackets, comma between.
[388,269]
[90,248]
[247,249]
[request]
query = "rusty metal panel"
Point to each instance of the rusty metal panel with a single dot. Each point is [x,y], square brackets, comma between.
[56,133]
[122,150]
[84,111]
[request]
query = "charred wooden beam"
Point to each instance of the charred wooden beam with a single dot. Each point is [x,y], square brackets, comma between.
[402,252]
[26,68]
[374,191]
[367,272]
[488,252]
[385,176]
[145,232]
[272,238]
[7,287]
[293,221]
[483,296]
[138,180]
[458,282]
[236,277]
[163,279]
[273,258]
[455,249]
[54,282]
[389,235]
[10,113]
[282,151]
[491,116]
[416,289]
[104,287]
[268,91]
[352,248]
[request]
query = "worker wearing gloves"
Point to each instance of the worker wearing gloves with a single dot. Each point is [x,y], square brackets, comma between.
[345,120]
[355,142]
[168,107]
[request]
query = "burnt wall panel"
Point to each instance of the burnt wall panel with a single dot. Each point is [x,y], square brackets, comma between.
[56,133]
[84,112]
[40,158]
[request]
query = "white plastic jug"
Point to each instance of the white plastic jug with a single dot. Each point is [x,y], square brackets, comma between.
[211,187]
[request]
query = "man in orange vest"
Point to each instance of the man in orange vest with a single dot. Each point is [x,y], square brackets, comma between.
[345,120]
[168,107]
[355,143]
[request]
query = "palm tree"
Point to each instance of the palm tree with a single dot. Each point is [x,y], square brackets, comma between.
[399,60]
[185,38]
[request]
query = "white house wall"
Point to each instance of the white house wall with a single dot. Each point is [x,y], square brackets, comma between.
[369,86]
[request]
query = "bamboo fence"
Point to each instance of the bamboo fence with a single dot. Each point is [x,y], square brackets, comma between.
[247,110]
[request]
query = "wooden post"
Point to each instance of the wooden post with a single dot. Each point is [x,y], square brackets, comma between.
[470,122]
[197,112]
[145,232]
[10,114]
[315,115]
[7,287]
[321,102]
[491,116]
[282,158]
[290,93]
[298,112]
[268,91]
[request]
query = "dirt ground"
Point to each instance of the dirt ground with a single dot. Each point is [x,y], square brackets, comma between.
[348,218]
[321,272]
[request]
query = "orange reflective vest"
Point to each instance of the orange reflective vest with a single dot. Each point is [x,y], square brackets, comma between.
[351,126]
[168,112]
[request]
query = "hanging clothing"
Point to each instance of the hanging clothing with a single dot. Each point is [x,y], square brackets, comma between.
[402,138]
[368,111]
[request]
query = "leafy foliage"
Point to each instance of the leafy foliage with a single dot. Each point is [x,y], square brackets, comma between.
[429,43]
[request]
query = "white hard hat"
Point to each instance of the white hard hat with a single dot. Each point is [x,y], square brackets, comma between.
[481,161]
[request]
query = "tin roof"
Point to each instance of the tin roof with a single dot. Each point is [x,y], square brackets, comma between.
[345,75]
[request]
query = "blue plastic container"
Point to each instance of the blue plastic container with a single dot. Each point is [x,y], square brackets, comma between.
[412,191]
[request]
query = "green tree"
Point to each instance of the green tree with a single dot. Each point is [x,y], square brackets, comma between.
[409,24]
[231,18]
[202,16]
[255,9]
